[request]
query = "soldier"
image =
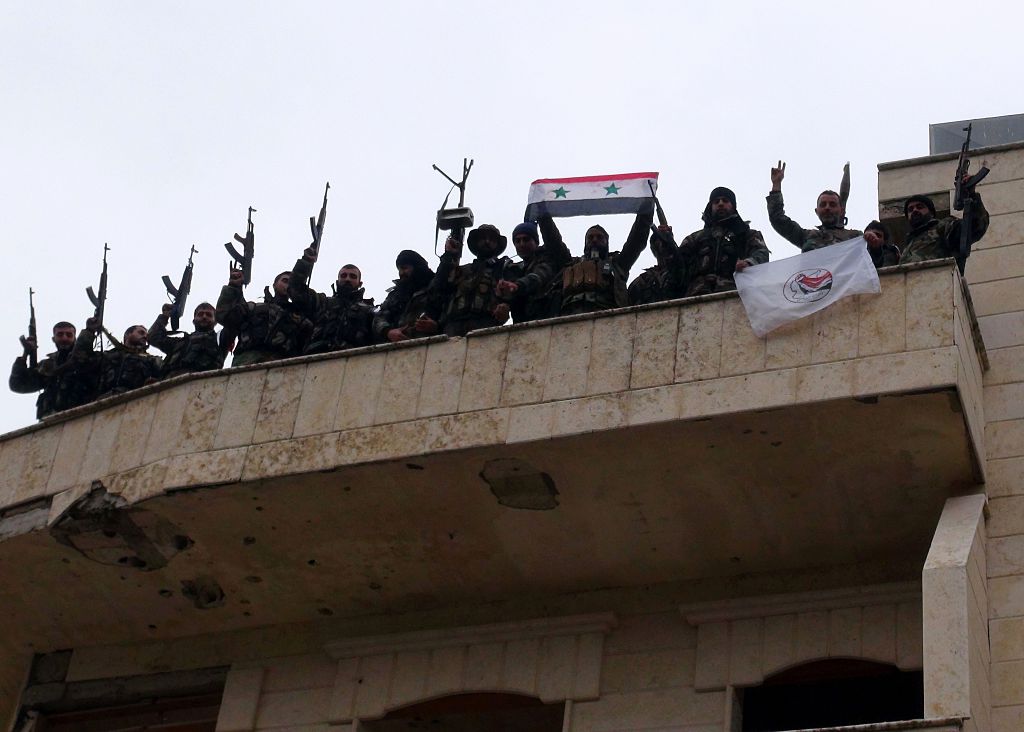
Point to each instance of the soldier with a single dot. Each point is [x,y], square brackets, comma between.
[931,238]
[655,284]
[597,280]
[470,291]
[189,353]
[265,331]
[125,367]
[342,320]
[883,252]
[830,210]
[706,259]
[527,284]
[65,381]
[409,310]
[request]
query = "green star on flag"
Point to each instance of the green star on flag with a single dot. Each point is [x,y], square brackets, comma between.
[590,195]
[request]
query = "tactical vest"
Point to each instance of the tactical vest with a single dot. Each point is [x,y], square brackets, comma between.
[475,289]
[274,328]
[68,383]
[125,370]
[196,352]
[597,281]
[343,322]
[652,285]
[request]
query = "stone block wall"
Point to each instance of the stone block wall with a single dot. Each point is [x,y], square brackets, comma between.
[995,273]
[684,360]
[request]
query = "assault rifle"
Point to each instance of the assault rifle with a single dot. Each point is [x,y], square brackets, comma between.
[455,220]
[963,198]
[33,352]
[316,226]
[663,236]
[248,242]
[99,300]
[179,294]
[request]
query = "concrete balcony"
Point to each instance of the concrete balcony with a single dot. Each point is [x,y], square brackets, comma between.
[660,444]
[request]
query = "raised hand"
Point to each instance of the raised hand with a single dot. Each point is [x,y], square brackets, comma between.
[777,175]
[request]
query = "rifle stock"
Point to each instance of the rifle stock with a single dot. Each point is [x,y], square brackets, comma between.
[179,294]
[99,300]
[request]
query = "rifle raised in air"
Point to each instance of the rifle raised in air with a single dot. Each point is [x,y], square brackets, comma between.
[963,198]
[316,226]
[662,236]
[179,294]
[844,190]
[99,299]
[455,220]
[33,351]
[248,242]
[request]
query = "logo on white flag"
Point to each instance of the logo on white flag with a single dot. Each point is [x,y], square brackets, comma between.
[808,285]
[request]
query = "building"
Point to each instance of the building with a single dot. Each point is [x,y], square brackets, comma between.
[645,520]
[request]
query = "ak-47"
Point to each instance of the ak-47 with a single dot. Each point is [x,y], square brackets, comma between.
[663,236]
[316,226]
[99,299]
[455,220]
[179,294]
[248,242]
[33,350]
[963,198]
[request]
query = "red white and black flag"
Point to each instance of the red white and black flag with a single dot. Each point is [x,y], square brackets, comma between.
[591,195]
[788,289]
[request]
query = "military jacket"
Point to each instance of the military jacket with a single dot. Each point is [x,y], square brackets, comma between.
[340,321]
[706,259]
[535,277]
[470,290]
[402,308]
[264,331]
[938,239]
[120,369]
[806,239]
[654,284]
[65,381]
[187,353]
[885,256]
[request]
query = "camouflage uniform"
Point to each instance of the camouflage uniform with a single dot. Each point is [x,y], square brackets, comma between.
[120,369]
[940,238]
[265,331]
[806,239]
[66,382]
[470,291]
[534,277]
[706,259]
[340,321]
[657,283]
[593,284]
[407,300]
[187,353]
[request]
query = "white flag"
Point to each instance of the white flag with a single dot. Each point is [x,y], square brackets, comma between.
[776,293]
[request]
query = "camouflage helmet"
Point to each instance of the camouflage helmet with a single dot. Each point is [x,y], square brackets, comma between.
[474,238]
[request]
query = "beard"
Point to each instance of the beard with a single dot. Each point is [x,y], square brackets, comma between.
[917,218]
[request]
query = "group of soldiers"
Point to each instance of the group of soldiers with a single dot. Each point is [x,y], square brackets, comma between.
[546,281]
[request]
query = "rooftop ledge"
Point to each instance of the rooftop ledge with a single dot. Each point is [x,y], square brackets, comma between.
[676,445]
[685,359]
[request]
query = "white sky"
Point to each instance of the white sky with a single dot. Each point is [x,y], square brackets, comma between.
[153,126]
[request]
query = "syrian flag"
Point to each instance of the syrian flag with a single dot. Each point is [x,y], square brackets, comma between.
[591,195]
[779,292]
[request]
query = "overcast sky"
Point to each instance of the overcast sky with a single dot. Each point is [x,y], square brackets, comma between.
[153,126]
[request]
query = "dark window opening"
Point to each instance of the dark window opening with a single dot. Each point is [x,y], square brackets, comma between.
[833,693]
[184,714]
[474,712]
